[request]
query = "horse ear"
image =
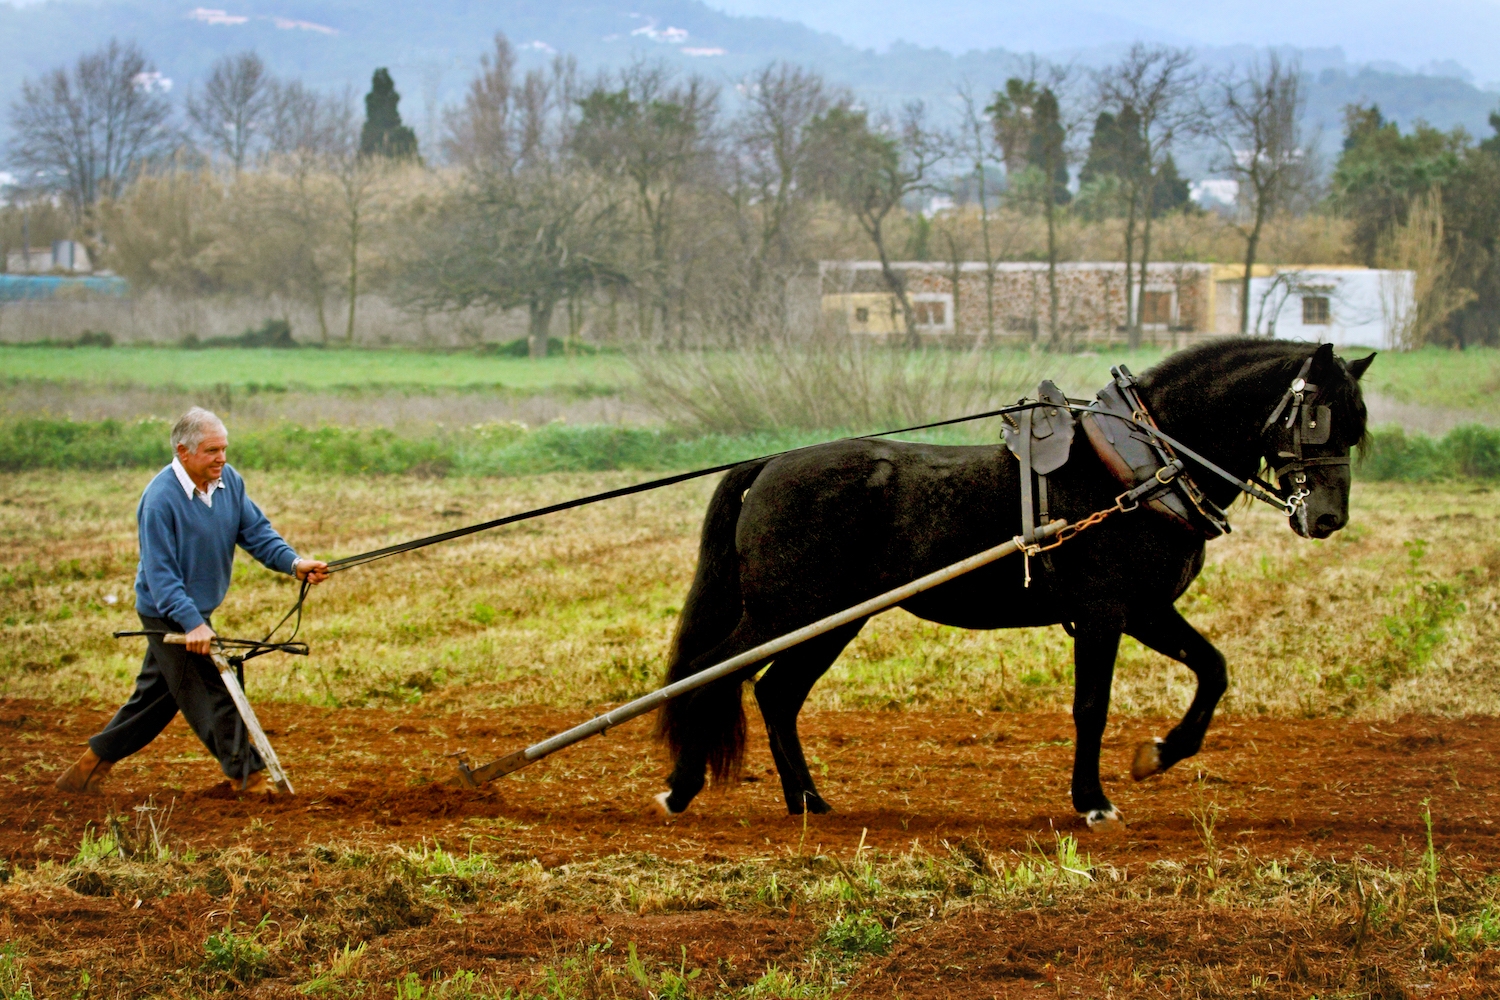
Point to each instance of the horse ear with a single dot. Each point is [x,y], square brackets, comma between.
[1357,368]
[1322,360]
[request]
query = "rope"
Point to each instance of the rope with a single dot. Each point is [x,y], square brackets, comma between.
[349,562]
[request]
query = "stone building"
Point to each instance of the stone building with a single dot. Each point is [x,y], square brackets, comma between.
[1179,303]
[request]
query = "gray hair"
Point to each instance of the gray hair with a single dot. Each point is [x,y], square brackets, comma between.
[192,426]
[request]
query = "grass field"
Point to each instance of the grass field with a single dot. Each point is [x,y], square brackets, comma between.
[1395,614]
[1435,377]
[557,886]
[312,369]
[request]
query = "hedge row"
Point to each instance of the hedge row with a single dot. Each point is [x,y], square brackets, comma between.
[1469,452]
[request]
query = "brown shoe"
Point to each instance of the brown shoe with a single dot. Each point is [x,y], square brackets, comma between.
[259,783]
[86,774]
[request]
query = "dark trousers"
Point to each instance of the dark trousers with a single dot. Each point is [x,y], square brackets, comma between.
[173,680]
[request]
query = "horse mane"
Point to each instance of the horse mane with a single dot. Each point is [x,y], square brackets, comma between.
[1243,377]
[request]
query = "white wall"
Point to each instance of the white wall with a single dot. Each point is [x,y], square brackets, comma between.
[1367,308]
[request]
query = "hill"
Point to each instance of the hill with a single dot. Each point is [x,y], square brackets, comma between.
[432,48]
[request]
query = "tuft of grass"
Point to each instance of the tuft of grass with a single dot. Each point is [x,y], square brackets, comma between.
[95,848]
[858,933]
[343,966]
[14,983]
[242,958]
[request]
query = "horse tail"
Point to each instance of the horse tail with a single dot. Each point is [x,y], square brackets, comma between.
[710,719]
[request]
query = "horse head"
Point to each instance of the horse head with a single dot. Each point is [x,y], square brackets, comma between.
[1307,440]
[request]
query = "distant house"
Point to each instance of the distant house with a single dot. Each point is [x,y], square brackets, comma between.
[68,256]
[1179,303]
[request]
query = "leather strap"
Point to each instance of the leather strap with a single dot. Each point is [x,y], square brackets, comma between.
[1028,518]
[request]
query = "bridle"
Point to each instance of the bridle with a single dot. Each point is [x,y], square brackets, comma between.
[1307,422]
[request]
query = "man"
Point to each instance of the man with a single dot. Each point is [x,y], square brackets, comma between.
[189,519]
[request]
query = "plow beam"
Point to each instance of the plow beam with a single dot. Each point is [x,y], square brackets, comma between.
[474,777]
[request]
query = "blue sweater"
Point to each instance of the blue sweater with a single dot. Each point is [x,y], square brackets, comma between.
[187,548]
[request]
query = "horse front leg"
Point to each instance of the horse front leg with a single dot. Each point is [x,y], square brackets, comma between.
[1167,632]
[1096,641]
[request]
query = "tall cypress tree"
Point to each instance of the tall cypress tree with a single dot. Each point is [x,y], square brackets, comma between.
[383,133]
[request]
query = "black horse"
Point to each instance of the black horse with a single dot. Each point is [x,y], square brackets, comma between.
[789,540]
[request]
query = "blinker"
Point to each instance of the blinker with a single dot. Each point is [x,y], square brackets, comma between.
[1317,422]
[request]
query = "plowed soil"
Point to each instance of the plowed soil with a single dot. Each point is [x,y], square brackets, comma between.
[1329,788]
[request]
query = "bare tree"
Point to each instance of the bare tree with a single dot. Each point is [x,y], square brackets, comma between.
[656,133]
[1257,126]
[870,171]
[234,107]
[302,198]
[1154,86]
[478,133]
[977,149]
[781,102]
[86,132]
[529,225]
[303,123]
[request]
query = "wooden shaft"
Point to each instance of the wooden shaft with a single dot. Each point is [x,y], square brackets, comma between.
[646,703]
[258,738]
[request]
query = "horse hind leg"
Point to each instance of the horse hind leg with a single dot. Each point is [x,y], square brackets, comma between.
[1170,634]
[780,693]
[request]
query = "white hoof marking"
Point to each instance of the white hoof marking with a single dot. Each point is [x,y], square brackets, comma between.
[1104,819]
[661,804]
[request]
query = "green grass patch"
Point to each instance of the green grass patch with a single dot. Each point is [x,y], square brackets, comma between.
[1436,376]
[505,449]
[509,449]
[241,367]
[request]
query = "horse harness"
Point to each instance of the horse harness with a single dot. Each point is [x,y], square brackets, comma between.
[1145,460]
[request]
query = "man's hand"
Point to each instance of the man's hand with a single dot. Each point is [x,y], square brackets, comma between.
[312,570]
[198,640]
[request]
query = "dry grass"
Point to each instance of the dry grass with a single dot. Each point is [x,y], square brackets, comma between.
[1394,615]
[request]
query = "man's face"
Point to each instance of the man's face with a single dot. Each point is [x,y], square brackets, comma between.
[205,464]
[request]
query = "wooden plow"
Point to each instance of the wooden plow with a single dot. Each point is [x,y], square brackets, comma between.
[473,777]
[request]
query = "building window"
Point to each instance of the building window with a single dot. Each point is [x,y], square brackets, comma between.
[861,315]
[929,313]
[1315,310]
[1156,308]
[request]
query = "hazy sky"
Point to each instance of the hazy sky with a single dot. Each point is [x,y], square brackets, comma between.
[1413,34]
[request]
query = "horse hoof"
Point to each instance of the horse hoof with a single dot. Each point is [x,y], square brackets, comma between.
[1147,759]
[1104,820]
[816,805]
[662,806]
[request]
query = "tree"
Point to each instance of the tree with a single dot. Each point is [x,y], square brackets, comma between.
[479,134]
[1159,89]
[299,200]
[232,111]
[654,133]
[383,134]
[870,172]
[772,147]
[979,151]
[1257,127]
[1380,171]
[528,225]
[87,132]
[1028,116]
[1117,162]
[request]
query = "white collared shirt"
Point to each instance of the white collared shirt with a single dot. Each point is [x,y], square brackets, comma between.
[186,481]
